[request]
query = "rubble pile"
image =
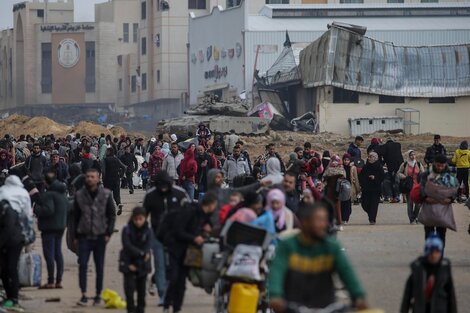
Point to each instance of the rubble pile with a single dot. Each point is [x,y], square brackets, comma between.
[17,125]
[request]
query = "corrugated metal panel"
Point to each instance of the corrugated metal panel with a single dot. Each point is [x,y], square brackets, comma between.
[364,125]
[366,65]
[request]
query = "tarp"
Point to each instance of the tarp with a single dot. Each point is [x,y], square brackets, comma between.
[348,60]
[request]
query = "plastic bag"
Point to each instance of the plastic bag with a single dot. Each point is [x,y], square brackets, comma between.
[245,262]
[29,269]
[112,300]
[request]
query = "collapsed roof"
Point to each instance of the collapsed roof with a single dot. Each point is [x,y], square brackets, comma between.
[344,58]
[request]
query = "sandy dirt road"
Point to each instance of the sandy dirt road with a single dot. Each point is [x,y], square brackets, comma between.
[381,254]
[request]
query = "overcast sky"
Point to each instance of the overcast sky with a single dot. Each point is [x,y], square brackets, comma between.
[84,11]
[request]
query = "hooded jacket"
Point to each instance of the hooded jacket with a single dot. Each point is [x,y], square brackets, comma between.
[461,157]
[130,161]
[136,243]
[35,165]
[443,295]
[52,214]
[14,192]
[273,169]
[234,167]
[171,163]
[156,203]
[11,234]
[188,167]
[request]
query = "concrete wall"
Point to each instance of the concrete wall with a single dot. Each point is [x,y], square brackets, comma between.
[6,68]
[221,30]
[449,119]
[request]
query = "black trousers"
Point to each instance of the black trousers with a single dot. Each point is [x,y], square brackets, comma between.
[9,258]
[176,276]
[441,232]
[462,176]
[130,183]
[115,187]
[133,283]
[370,204]
[346,209]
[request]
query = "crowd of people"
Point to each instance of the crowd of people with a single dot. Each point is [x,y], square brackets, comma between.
[194,186]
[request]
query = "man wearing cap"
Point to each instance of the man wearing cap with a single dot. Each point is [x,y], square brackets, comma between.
[58,166]
[436,149]
[430,287]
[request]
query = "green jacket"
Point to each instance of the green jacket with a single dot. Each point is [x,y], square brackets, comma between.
[303,274]
[52,213]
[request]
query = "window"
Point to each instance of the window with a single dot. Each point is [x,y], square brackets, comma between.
[135,29]
[46,68]
[277,1]
[90,81]
[40,13]
[351,1]
[197,4]
[233,3]
[427,1]
[120,84]
[143,10]
[395,1]
[144,81]
[158,76]
[133,83]
[119,60]
[144,46]
[391,99]
[442,100]
[345,96]
[125,32]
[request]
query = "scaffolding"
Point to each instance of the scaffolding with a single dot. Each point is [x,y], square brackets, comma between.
[411,120]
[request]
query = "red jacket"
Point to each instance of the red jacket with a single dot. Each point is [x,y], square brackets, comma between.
[188,167]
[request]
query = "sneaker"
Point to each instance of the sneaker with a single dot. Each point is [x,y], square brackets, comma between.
[83,301]
[119,211]
[152,289]
[16,308]
[345,222]
[372,223]
[96,301]
[8,304]
[131,192]
[161,303]
[340,228]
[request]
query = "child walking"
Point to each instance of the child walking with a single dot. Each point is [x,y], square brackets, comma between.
[144,175]
[134,260]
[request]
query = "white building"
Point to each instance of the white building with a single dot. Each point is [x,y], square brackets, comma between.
[260,37]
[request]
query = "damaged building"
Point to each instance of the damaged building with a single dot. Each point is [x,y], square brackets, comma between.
[354,84]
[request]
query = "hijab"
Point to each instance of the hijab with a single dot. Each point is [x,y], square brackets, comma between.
[273,168]
[166,148]
[279,215]
[411,162]
[373,157]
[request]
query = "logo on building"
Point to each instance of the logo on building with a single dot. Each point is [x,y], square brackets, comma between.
[224,53]
[238,49]
[216,53]
[200,56]
[193,58]
[68,53]
[231,53]
[209,53]
[217,73]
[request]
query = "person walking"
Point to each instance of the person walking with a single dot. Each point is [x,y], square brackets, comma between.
[461,159]
[204,164]
[35,165]
[411,169]
[159,201]
[134,259]
[439,171]
[393,158]
[436,149]
[430,287]
[354,149]
[188,170]
[353,178]
[371,178]
[156,160]
[332,174]
[15,201]
[235,165]
[190,226]
[130,161]
[52,221]
[94,216]
[231,141]
[112,168]
[172,161]
[59,167]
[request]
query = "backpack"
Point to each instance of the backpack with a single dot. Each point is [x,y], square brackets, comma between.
[343,189]
[26,224]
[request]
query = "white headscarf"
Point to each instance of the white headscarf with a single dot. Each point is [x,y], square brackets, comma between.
[14,192]
[411,162]
[273,168]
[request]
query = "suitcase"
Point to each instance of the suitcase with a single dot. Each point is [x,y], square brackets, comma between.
[29,269]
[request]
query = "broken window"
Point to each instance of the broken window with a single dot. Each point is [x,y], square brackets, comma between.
[345,96]
[133,83]
[46,68]
[90,81]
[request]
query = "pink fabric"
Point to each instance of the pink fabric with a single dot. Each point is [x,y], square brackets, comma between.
[279,215]
[244,215]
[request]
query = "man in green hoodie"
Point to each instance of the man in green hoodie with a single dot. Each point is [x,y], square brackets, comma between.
[302,270]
